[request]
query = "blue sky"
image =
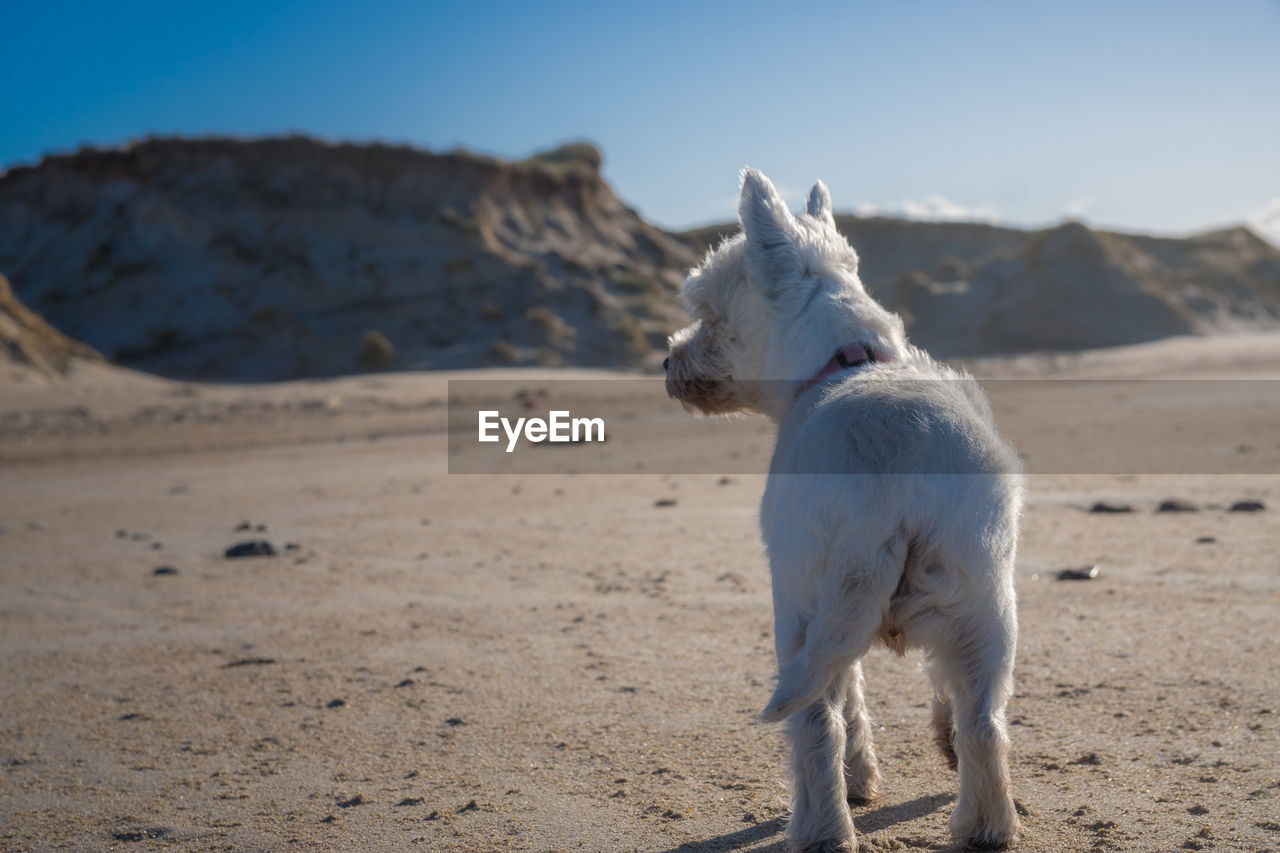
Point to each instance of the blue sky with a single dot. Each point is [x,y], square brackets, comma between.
[1146,116]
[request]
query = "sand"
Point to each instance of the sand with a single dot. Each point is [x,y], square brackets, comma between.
[568,662]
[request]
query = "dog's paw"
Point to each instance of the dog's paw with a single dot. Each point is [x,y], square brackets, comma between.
[832,845]
[995,835]
[863,791]
[984,842]
[861,779]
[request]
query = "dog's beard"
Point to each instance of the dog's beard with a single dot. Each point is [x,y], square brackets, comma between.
[700,393]
[705,396]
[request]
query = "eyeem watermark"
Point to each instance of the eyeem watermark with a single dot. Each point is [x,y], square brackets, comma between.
[559,428]
[1059,426]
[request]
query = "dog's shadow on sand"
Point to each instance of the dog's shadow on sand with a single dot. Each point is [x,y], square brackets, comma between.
[763,834]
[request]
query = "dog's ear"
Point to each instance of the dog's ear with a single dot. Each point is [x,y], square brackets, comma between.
[819,206]
[770,230]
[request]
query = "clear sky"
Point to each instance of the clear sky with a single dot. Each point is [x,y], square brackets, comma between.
[1145,115]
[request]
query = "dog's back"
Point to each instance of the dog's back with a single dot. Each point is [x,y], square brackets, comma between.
[919,418]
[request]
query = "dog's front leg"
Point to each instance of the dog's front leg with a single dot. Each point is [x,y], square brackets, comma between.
[861,771]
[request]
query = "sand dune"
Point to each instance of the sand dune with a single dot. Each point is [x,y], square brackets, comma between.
[247,260]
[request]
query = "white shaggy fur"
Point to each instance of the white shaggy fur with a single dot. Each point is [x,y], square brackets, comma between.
[890,514]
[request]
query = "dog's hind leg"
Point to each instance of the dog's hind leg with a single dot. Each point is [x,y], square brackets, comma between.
[979,678]
[861,771]
[820,821]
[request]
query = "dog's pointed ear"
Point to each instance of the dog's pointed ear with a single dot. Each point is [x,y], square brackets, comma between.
[770,230]
[819,206]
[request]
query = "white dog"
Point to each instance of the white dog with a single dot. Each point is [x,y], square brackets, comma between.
[890,514]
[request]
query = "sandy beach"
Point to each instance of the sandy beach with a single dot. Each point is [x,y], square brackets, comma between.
[574,662]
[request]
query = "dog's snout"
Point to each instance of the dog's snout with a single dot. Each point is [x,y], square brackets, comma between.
[666,362]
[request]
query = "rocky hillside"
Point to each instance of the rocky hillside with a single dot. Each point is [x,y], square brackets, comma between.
[974,289]
[280,258]
[28,342]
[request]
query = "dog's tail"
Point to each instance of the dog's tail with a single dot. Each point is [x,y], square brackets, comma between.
[802,682]
[840,633]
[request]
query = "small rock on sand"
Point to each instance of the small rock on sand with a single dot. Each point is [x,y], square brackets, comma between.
[249,662]
[1101,507]
[251,548]
[1177,505]
[1247,506]
[148,833]
[1085,573]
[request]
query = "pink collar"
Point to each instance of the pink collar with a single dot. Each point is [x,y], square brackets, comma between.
[846,358]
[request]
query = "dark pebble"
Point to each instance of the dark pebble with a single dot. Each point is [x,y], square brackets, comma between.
[1175,505]
[455,721]
[1086,573]
[471,806]
[249,662]
[156,546]
[291,546]
[122,534]
[1247,506]
[411,801]
[665,502]
[149,833]
[252,548]
[1206,540]
[408,682]
[357,800]
[165,570]
[337,703]
[1112,508]
[244,525]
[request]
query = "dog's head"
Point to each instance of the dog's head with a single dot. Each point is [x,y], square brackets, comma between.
[772,305]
